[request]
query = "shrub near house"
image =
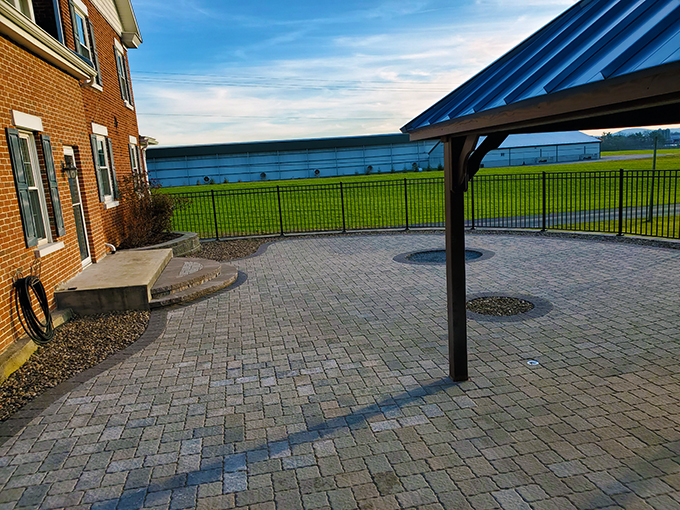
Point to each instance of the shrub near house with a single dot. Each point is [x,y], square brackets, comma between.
[67,102]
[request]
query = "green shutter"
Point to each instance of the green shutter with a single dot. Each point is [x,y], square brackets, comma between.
[21,184]
[114,181]
[54,187]
[100,188]
[126,74]
[95,59]
[74,25]
[119,69]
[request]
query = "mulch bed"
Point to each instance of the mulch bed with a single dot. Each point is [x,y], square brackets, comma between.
[223,251]
[499,306]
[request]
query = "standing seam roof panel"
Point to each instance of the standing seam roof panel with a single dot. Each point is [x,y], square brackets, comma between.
[592,41]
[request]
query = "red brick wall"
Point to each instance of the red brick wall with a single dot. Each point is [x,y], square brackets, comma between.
[67,108]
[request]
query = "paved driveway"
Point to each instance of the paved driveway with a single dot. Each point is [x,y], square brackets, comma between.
[320,383]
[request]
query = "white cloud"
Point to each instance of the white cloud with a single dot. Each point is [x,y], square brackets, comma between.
[371,84]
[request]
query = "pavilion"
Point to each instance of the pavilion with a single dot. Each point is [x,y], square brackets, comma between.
[602,64]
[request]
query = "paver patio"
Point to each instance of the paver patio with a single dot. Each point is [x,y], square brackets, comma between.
[320,382]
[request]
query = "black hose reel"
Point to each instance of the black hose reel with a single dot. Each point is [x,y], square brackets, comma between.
[41,332]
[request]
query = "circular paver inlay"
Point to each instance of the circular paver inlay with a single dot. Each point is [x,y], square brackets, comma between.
[499,306]
[502,307]
[432,257]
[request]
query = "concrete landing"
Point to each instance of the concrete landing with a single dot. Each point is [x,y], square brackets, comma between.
[122,281]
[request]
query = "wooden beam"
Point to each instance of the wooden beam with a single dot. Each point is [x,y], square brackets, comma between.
[490,143]
[456,154]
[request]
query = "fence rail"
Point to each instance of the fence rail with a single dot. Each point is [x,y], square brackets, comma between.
[621,202]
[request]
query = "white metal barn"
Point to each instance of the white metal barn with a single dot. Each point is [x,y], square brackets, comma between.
[326,157]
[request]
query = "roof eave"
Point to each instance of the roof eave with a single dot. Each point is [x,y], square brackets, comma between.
[589,105]
[131,36]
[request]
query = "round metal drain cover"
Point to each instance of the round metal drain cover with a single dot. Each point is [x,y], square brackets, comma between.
[499,306]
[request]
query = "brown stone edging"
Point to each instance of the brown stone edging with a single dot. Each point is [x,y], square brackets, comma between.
[8,428]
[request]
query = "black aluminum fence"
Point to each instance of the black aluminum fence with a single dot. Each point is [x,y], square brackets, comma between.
[622,202]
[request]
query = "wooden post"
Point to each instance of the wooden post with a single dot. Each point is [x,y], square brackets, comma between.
[456,153]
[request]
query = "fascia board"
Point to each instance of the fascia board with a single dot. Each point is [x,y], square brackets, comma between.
[645,89]
[26,33]
[131,35]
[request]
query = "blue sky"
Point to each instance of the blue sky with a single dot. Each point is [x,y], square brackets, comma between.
[222,72]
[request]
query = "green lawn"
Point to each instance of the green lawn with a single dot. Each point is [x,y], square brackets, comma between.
[660,226]
[649,152]
[386,200]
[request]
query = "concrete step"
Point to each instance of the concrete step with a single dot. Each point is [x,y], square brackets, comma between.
[121,281]
[227,275]
[182,273]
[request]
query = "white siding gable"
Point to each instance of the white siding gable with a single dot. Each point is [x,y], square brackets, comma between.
[108,9]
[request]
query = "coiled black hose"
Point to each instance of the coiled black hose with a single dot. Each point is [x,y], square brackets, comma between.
[39,331]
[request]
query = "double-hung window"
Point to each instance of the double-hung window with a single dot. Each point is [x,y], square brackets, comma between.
[123,73]
[36,194]
[83,35]
[25,7]
[28,179]
[102,152]
[138,177]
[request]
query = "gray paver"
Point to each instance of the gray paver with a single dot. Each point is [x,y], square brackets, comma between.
[321,383]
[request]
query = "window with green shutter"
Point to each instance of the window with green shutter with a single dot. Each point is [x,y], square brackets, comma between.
[29,188]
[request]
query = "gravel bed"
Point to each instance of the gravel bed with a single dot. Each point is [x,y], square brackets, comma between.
[77,345]
[223,251]
[499,306]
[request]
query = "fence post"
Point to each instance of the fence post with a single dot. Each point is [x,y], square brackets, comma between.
[342,206]
[278,196]
[472,201]
[620,202]
[545,202]
[217,232]
[406,201]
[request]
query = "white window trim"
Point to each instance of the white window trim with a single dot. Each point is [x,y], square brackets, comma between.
[110,204]
[133,140]
[98,129]
[78,4]
[22,30]
[118,45]
[27,121]
[48,248]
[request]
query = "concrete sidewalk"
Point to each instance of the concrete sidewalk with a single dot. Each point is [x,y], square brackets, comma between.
[320,382]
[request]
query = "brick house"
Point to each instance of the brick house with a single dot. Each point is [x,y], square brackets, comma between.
[65,100]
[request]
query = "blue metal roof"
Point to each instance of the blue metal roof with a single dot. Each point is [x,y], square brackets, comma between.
[595,40]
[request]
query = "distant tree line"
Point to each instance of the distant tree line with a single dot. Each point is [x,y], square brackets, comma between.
[638,141]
